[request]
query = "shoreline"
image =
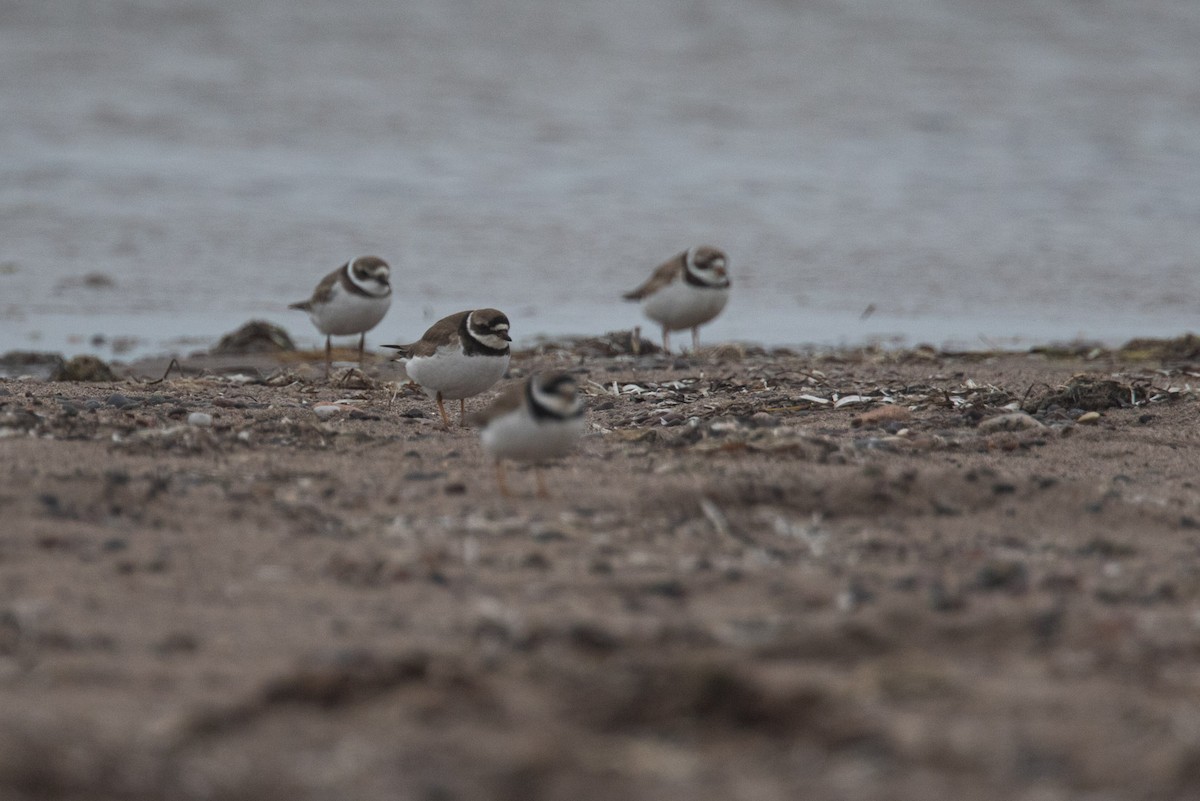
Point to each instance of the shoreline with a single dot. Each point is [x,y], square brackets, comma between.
[251,346]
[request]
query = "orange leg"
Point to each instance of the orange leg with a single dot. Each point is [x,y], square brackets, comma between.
[500,479]
[695,339]
[328,356]
[442,410]
[362,343]
[666,340]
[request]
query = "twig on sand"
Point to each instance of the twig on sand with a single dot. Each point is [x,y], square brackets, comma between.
[173,363]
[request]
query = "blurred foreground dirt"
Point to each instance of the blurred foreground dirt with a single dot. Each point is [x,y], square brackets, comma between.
[763,576]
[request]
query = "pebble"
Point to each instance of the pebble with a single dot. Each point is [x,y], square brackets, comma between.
[200,419]
[118,400]
[1015,421]
[326,410]
[1088,418]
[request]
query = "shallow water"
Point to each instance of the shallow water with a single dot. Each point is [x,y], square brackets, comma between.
[977,172]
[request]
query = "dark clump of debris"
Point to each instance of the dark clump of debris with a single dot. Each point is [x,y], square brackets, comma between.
[1180,349]
[1092,394]
[84,368]
[38,364]
[613,343]
[256,336]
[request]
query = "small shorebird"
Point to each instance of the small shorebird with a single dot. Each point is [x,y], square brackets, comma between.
[538,419]
[350,300]
[685,292]
[458,357]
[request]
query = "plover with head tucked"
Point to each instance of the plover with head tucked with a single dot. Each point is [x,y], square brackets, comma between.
[685,292]
[458,357]
[350,300]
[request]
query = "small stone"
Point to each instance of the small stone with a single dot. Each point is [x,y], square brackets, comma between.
[669,588]
[326,410]
[1008,575]
[200,419]
[1088,418]
[1015,421]
[592,637]
[178,642]
[536,560]
[118,401]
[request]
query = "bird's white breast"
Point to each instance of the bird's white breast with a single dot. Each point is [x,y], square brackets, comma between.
[454,374]
[680,305]
[346,313]
[518,435]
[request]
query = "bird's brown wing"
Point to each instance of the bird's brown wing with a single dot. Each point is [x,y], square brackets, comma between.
[509,400]
[440,334]
[322,293]
[664,274]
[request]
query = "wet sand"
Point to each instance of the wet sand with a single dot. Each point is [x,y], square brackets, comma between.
[849,574]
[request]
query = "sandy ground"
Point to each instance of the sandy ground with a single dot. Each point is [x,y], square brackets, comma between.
[763,576]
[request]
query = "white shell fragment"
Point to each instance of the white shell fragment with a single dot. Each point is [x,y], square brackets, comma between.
[326,410]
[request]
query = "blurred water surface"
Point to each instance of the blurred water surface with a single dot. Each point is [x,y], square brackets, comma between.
[978,171]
